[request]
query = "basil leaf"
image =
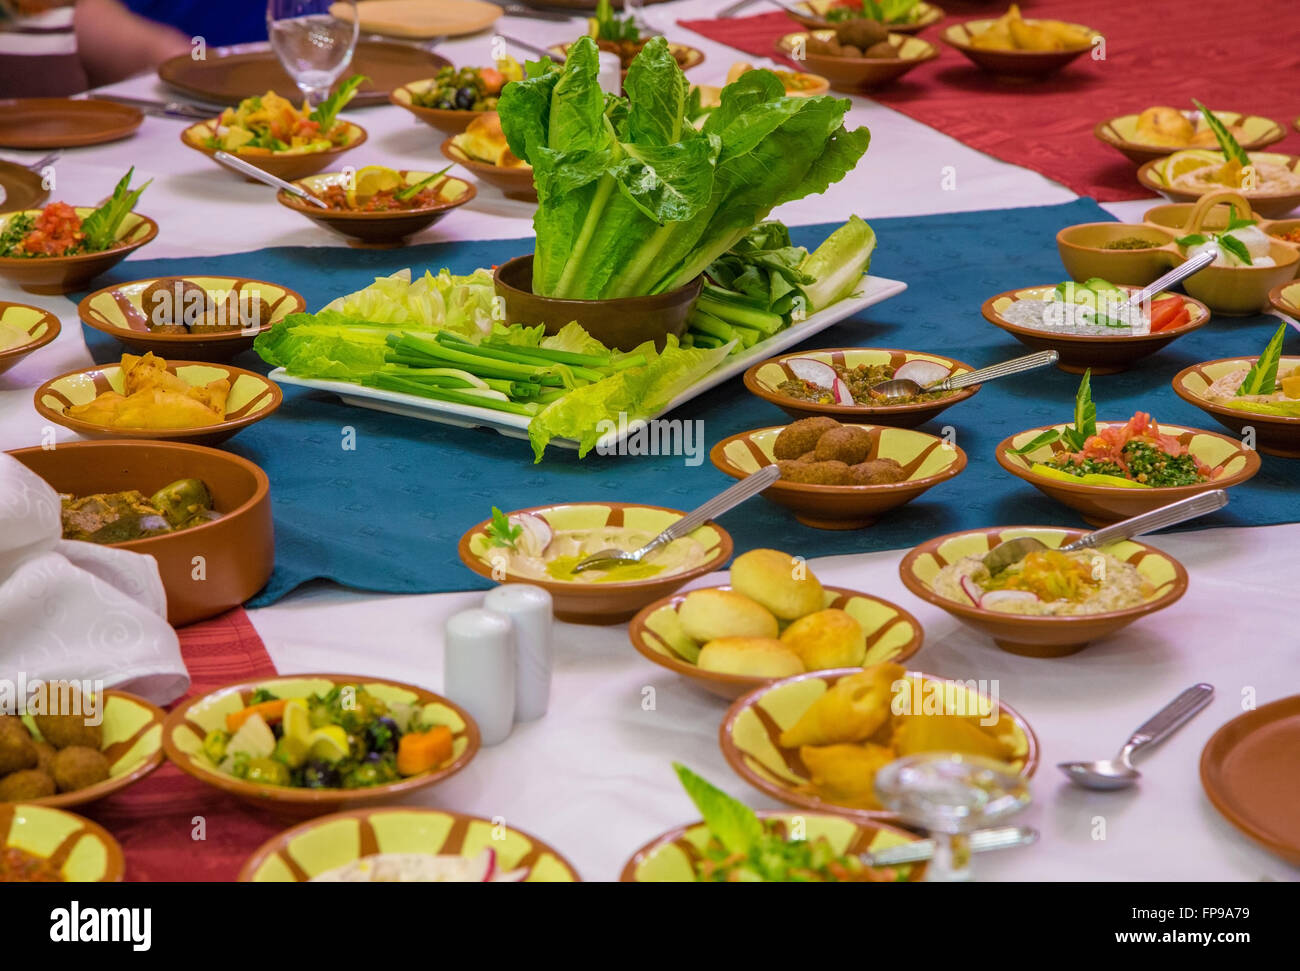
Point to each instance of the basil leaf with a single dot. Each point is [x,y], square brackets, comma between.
[1262,378]
[1236,247]
[1227,143]
[1046,438]
[1195,239]
[1235,223]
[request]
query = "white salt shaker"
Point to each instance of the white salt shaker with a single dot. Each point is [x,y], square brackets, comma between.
[610,73]
[479,669]
[530,609]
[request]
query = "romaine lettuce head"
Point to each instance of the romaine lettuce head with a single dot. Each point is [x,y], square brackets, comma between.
[461,304]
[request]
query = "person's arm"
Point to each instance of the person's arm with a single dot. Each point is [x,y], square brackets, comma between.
[115,43]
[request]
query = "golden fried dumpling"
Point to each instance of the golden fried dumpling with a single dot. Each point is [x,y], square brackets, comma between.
[212,395]
[149,371]
[827,639]
[760,657]
[485,141]
[846,774]
[850,711]
[780,582]
[709,614]
[946,733]
[156,408]
[1163,125]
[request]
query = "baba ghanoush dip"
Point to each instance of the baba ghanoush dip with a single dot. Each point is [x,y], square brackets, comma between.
[1047,583]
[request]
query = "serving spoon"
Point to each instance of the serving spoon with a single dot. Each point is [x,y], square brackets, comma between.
[1118,773]
[1180,272]
[1014,550]
[747,487]
[253,172]
[905,387]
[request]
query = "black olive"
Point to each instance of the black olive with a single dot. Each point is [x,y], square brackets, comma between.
[445,104]
[320,775]
[381,735]
[465,98]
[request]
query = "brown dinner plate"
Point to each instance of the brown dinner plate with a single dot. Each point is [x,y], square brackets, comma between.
[20,188]
[1250,769]
[228,79]
[64,122]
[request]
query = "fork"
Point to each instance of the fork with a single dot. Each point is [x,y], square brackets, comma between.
[747,487]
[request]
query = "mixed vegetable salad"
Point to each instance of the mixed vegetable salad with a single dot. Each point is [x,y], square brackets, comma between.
[270,123]
[57,230]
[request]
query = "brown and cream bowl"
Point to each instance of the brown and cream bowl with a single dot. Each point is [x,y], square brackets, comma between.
[1121,133]
[378,228]
[1229,461]
[672,857]
[288,165]
[41,328]
[63,274]
[130,313]
[765,380]
[855,74]
[188,725]
[252,397]
[236,550]
[318,846]
[449,121]
[1032,635]
[1273,434]
[596,601]
[926,461]
[751,737]
[61,847]
[1017,64]
[514,181]
[892,634]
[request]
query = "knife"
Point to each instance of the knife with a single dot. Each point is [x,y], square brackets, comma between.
[735,8]
[522,10]
[981,841]
[529,47]
[165,109]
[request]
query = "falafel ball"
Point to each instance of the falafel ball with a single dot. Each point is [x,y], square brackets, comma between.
[17,749]
[849,444]
[27,784]
[816,473]
[801,436]
[77,767]
[877,472]
[861,32]
[883,49]
[173,302]
[45,753]
[64,730]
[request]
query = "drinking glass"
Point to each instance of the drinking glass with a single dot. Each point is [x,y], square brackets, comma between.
[313,44]
[950,795]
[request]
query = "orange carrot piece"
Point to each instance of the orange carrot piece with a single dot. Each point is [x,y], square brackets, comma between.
[421,751]
[269,710]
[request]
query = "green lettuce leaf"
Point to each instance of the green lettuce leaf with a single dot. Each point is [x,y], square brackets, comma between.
[1262,377]
[735,825]
[328,345]
[1085,415]
[465,305]
[327,112]
[101,225]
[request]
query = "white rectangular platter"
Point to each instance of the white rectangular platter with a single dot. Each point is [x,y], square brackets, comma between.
[874,290]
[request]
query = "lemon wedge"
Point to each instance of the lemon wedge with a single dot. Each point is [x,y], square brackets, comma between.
[1180,163]
[297,721]
[329,743]
[370,180]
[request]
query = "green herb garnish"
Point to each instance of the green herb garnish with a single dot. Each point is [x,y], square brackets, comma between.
[101,226]
[501,532]
[1262,377]
[1231,149]
[1085,423]
[326,113]
[1236,247]
[611,27]
[411,191]
[15,231]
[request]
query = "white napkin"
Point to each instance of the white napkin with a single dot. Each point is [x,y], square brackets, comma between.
[78,611]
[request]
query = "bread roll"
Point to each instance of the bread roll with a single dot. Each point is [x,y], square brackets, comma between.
[827,639]
[709,614]
[773,579]
[760,657]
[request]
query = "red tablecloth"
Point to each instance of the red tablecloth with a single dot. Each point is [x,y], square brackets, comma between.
[1242,58]
[158,820]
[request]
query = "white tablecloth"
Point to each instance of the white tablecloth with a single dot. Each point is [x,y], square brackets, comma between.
[593,777]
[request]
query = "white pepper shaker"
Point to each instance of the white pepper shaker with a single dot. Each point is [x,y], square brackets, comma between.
[609,74]
[530,609]
[479,669]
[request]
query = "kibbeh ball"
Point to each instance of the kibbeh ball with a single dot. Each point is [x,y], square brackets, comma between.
[77,767]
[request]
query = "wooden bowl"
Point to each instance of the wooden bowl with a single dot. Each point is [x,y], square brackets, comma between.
[63,274]
[1229,461]
[237,551]
[41,325]
[764,378]
[711,94]
[283,165]
[750,735]
[1121,134]
[119,311]
[1285,298]
[132,743]
[1021,65]
[670,856]
[1083,253]
[1274,205]
[1274,434]
[622,323]
[811,14]
[515,182]
[1039,636]
[83,851]
[313,847]
[852,74]
[186,726]
[892,635]
[605,602]
[450,121]
[1103,354]
[927,460]
[252,398]
[377,229]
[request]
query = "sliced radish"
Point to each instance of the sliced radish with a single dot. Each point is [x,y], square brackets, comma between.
[924,373]
[818,372]
[972,590]
[843,396]
[536,535]
[488,861]
[1002,599]
[511,876]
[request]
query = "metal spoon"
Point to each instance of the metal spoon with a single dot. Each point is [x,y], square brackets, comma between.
[981,841]
[253,172]
[1118,773]
[905,388]
[1015,550]
[747,487]
[1183,270]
